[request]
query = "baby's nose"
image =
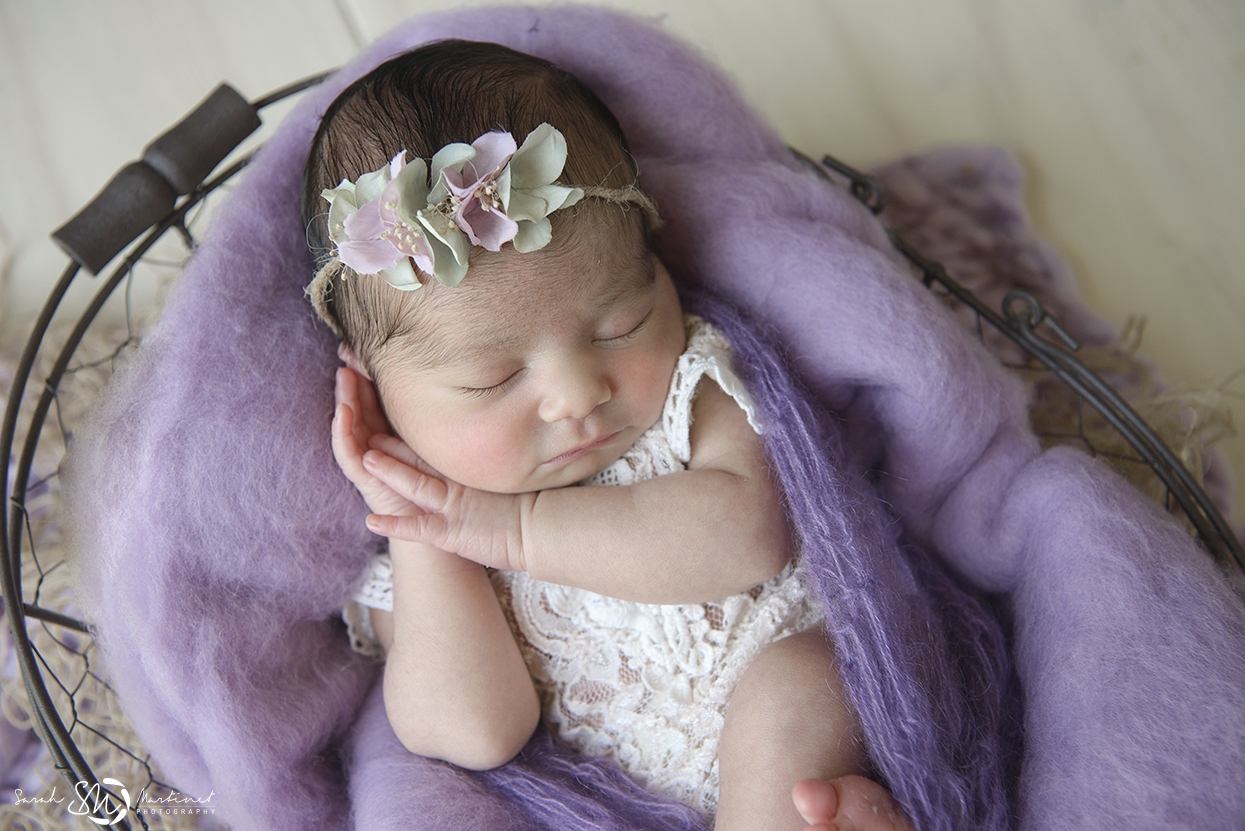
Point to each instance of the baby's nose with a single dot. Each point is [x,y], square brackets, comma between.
[575,392]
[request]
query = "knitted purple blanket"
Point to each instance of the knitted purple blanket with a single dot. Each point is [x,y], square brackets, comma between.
[1029,642]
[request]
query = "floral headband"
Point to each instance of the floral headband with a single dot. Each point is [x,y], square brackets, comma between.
[486,193]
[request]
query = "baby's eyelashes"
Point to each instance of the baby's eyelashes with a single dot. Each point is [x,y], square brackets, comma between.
[626,337]
[493,389]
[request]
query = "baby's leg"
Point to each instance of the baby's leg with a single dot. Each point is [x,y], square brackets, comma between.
[789,720]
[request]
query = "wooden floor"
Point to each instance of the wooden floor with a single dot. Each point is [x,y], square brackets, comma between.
[1129,116]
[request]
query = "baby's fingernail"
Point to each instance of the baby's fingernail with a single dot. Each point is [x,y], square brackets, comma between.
[369,460]
[373,524]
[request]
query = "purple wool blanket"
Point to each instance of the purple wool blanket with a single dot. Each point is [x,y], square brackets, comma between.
[1029,642]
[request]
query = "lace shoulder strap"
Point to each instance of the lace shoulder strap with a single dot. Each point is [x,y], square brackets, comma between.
[707,353]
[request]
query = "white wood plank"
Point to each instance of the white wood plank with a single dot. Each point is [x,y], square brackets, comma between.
[86,85]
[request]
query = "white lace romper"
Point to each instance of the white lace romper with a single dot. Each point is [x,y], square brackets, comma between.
[643,684]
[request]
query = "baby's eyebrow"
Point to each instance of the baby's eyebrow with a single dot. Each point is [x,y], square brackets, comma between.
[478,352]
[636,281]
[441,354]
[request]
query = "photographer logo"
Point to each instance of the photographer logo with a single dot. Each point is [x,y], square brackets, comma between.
[108,801]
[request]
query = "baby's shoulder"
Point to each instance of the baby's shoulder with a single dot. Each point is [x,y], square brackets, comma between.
[708,356]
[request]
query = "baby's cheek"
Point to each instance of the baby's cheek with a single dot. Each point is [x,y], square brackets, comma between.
[479,456]
[649,380]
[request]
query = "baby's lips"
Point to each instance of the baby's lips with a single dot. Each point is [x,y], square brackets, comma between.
[584,448]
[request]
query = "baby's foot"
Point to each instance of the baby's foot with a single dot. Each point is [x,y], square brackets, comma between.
[848,803]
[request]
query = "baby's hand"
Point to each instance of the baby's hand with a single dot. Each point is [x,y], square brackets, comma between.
[478,525]
[357,420]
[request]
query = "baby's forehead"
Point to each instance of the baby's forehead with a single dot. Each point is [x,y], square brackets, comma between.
[515,298]
[525,300]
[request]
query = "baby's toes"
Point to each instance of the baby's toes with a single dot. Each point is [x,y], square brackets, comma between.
[848,803]
[817,801]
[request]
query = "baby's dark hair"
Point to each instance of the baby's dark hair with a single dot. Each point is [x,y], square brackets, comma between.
[443,92]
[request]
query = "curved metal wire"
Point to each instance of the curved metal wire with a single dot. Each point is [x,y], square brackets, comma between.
[1024,313]
[1021,315]
[46,718]
[290,89]
[11,542]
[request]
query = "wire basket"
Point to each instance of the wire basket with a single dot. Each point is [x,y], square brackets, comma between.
[59,682]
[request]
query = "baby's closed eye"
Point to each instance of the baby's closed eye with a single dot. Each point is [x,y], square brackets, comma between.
[627,334]
[493,389]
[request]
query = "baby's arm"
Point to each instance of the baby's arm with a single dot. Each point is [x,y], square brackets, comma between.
[713,530]
[456,687]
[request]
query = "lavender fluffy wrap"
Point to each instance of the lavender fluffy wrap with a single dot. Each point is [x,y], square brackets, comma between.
[216,537]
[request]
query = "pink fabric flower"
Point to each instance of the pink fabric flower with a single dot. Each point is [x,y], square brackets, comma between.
[379,240]
[501,194]
[370,233]
[475,185]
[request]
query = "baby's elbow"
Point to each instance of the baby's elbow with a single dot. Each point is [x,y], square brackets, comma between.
[492,746]
[774,555]
[770,538]
[481,742]
[761,553]
[476,752]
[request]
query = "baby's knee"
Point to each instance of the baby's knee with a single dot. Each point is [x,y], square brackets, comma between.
[797,667]
[793,686]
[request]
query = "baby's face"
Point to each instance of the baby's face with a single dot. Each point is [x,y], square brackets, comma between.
[540,369]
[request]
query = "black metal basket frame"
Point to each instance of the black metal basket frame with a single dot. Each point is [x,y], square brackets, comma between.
[175,169]
[128,206]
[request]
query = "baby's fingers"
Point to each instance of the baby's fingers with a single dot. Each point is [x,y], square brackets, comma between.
[412,528]
[357,391]
[346,449]
[346,391]
[346,387]
[395,447]
[369,405]
[427,492]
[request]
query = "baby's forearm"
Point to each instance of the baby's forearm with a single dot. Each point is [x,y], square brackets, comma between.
[687,537]
[456,686]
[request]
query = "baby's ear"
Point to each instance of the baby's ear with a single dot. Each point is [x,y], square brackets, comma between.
[350,359]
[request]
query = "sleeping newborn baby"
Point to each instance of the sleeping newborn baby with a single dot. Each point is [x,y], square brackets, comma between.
[508,336]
